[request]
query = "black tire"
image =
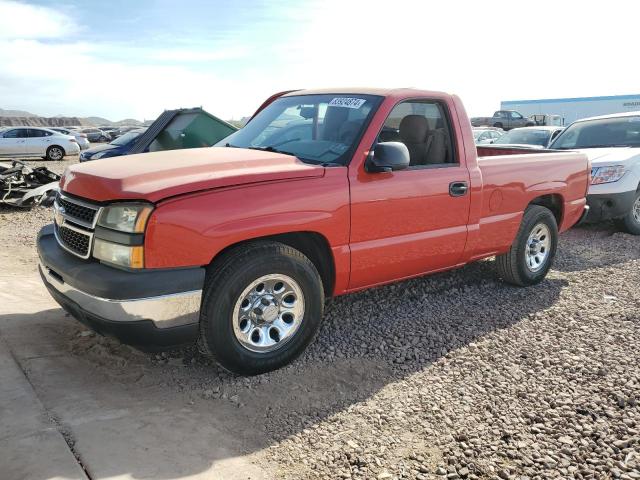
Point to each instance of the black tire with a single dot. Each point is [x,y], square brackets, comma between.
[497,125]
[227,280]
[530,124]
[102,139]
[513,266]
[55,153]
[630,223]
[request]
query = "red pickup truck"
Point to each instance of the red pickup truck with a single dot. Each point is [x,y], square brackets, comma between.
[322,193]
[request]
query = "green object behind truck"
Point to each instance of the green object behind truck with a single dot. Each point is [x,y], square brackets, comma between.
[183,128]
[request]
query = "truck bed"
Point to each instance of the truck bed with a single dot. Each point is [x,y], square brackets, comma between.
[495,150]
[559,176]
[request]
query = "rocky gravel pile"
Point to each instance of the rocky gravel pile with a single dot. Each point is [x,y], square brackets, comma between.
[455,376]
[485,380]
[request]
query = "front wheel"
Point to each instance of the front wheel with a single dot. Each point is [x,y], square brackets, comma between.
[262,306]
[531,255]
[55,153]
[102,139]
[631,221]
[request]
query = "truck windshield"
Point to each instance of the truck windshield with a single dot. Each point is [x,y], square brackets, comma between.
[601,133]
[314,128]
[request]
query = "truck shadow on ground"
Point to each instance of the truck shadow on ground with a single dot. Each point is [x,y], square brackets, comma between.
[125,410]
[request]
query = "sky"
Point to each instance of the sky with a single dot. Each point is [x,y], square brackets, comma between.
[133,59]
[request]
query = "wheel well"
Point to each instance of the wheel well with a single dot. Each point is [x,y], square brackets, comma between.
[553,202]
[313,245]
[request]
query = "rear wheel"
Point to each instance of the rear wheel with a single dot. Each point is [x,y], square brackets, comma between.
[102,139]
[262,306]
[55,153]
[631,221]
[531,255]
[497,125]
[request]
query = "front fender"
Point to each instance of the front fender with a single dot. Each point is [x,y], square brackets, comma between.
[191,230]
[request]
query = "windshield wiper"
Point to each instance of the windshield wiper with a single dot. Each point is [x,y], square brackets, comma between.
[269,148]
[230,146]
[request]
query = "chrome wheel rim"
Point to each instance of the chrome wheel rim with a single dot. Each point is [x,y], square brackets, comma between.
[55,154]
[635,210]
[538,247]
[268,313]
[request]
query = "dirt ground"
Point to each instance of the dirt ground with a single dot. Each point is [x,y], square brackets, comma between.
[456,375]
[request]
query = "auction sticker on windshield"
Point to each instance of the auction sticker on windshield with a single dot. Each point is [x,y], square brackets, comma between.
[347,102]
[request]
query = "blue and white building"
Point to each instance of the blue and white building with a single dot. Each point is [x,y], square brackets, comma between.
[571,109]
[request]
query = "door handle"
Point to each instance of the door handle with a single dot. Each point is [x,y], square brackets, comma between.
[458,189]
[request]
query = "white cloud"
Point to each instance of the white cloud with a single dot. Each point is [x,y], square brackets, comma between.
[21,20]
[483,52]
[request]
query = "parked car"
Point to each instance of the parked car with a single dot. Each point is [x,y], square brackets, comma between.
[96,135]
[122,130]
[239,244]
[81,138]
[22,142]
[505,119]
[530,137]
[115,148]
[486,135]
[112,131]
[546,120]
[612,143]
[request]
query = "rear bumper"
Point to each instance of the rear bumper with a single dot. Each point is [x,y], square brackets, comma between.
[148,309]
[609,205]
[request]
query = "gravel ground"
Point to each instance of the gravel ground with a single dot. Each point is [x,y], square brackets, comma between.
[456,375]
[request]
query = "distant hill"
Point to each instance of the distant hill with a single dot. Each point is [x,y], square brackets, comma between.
[15,113]
[19,117]
[35,121]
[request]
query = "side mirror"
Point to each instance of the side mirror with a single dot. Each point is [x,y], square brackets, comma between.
[388,157]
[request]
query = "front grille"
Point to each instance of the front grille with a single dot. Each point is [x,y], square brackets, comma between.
[78,212]
[75,220]
[74,240]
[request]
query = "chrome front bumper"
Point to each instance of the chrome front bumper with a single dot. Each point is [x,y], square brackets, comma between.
[165,311]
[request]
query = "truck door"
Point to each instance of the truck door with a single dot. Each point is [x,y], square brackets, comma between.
[13,142]
[411,221]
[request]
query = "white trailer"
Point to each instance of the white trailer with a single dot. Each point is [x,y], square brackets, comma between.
[571,109]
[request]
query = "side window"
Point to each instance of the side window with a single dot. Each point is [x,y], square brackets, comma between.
[500,115]
[33,133]
[423,127]
[12,133]
[515,115]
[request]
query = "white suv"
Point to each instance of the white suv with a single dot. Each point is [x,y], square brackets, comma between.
[19,142]
[612,143]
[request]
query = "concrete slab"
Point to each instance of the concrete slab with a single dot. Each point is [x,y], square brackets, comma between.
[122,424]
[31,448]
[39,456]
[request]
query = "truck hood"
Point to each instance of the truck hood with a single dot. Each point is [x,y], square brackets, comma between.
[611,156]
[159,175]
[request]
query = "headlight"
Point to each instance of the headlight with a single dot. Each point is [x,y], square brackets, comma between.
[98,155]
[123,255]
[609,174]
[126,217]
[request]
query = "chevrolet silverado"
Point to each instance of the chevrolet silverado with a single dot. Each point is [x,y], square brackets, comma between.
[322,193]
